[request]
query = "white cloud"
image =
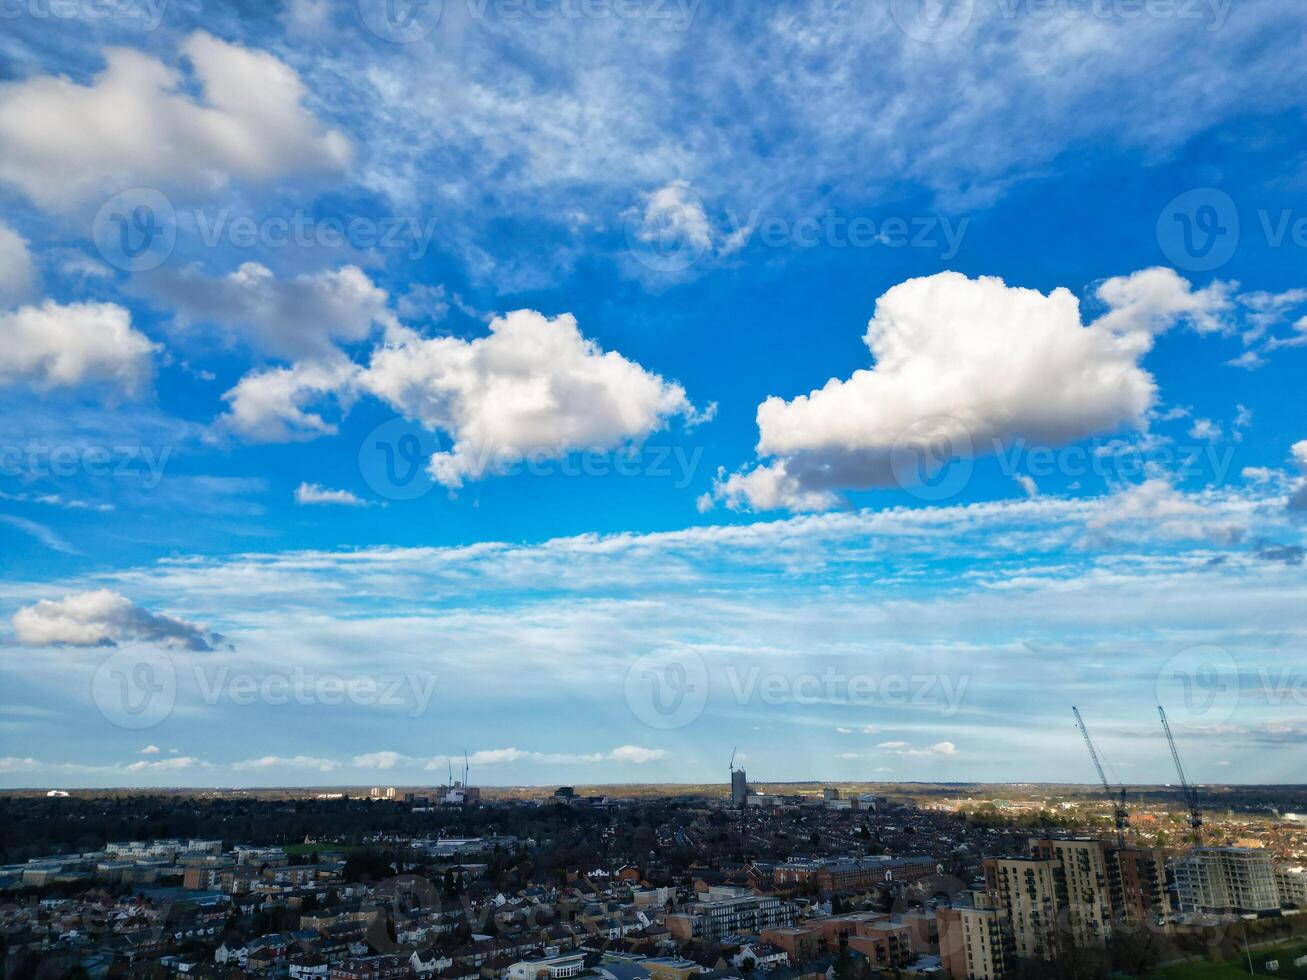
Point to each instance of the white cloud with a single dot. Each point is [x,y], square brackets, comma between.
[382,760]
[176,762]
[534,386]
[312,493]
[286,762]
[1027,484]
[105,618]
[284,404]
[907,748]
[630,754]
[150,750]
[81,344]
[964,367]
[301,318]
[1205,429]
[64,143]
[1153,300]
[17,271]
[11,763]
[1166,512]
[636,755]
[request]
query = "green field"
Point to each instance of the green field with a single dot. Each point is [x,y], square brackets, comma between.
[1239,967]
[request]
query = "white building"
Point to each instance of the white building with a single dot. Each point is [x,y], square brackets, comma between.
[1226,880]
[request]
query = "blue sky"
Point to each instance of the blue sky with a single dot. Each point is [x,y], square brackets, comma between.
[596,387]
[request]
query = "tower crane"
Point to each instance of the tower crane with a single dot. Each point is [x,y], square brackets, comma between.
[1120,815]
[1190,792]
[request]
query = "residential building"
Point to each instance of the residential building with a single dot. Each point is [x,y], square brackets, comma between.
[729,910]
[1226,881]
[975,943]
[1026,890]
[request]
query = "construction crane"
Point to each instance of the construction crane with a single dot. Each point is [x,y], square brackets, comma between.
[1120,816]
[1190,792]
[732,762]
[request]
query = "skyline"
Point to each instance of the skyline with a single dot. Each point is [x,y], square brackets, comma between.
[594,388]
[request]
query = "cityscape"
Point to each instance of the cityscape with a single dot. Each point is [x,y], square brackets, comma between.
[653,489]
[635,882]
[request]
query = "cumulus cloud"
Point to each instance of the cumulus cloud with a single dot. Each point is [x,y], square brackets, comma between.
[17,271]
[301,318]
[105,618]
[81,344]
[63,143]
[150,750]
[313,493]
[285,404]
[534,386]
[964,367]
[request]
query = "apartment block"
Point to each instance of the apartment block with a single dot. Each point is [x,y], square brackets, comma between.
[1226,881]
[725,911]
[975,943]
[1027,891]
